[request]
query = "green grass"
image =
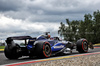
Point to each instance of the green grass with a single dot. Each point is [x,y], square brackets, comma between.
[2,47]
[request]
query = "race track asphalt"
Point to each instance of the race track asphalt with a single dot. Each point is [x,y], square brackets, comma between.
[4,60]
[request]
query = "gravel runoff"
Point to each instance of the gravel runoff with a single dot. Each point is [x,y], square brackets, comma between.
[91,60]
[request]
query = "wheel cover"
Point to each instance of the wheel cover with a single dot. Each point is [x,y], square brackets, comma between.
[85,46]
[47,49]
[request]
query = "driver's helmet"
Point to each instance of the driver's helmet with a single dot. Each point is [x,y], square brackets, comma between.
[49,36]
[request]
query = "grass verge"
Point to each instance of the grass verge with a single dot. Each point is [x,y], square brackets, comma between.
[2,47]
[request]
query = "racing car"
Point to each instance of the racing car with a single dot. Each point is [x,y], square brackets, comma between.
[42,46]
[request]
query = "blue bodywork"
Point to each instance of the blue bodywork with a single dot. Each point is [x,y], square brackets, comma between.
[56,45]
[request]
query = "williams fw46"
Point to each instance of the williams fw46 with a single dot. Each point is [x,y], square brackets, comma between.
[42,46]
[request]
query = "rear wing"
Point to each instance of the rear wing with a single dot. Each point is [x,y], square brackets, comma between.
[19,37]
[9,40]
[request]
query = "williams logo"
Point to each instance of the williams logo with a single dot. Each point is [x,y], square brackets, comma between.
[61,46]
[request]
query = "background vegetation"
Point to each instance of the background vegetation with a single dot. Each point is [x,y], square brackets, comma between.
[88,28]
[2,47]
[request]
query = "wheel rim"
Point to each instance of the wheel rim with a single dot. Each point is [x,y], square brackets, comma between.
[47,49]
[85,46]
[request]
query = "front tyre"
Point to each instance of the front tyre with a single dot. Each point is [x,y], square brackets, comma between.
[82,46]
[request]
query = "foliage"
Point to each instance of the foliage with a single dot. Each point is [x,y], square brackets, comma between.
[2,47]
[88,28]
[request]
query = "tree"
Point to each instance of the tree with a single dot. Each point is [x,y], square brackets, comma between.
[89,28]
[69,32]
[61,29]
[96,28]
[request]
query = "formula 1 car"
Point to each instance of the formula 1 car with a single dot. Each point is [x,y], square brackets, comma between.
[42,46]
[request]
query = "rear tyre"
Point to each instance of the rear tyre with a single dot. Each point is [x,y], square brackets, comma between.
[43,50]
[11,53]
[82,46]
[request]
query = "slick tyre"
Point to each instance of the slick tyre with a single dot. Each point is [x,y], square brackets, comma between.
[82,46]
[11,53]
[43,50]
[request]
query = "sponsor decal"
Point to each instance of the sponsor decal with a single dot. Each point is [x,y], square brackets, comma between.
[61,46]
